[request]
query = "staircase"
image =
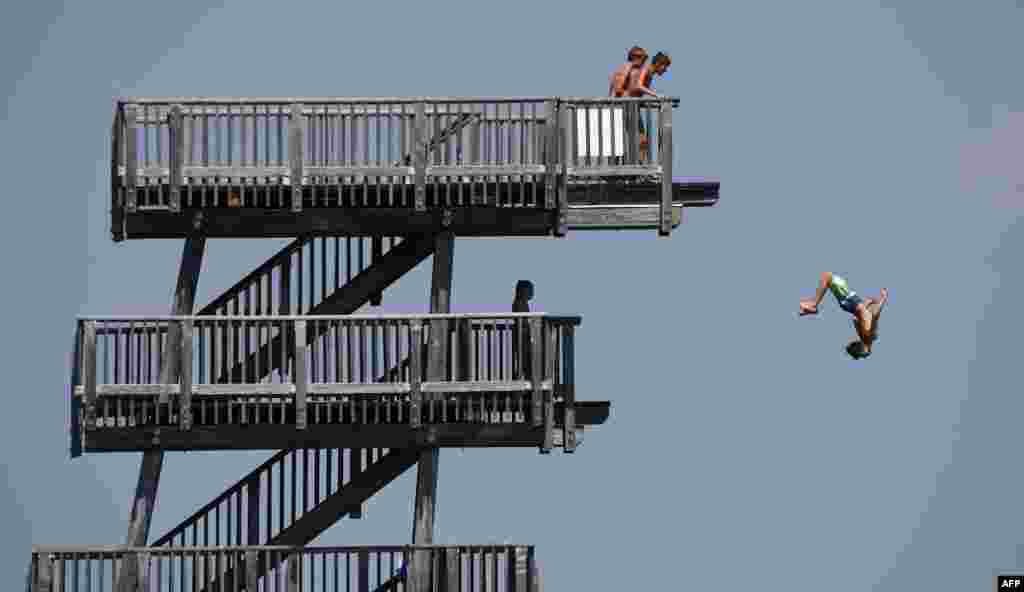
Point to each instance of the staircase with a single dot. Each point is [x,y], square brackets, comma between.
[297,494]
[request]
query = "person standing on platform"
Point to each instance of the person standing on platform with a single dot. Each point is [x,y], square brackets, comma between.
[619,80]
[641,81]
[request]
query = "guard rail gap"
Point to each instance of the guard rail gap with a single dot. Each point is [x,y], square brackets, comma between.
[463,568]
[170,154]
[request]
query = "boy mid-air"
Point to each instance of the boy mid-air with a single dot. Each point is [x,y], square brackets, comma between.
[865,311]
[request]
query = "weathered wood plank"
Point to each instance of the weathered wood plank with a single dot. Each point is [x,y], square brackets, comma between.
[299,371]
[561,225]
[199,391]
[616,171]
[665,152]
[536,368]
[415,373]
[550,353]
[131,153]
[176,156]
[282,436]
[89,371]
[419,156]
[296,136]
[569,387]
[185,395]
[481,170]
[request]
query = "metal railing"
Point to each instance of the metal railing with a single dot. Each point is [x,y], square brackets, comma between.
[477,568]
[282,153]
[503,368]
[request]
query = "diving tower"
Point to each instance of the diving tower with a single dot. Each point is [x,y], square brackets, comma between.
[288,360]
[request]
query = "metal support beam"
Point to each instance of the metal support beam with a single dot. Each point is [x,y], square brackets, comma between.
[426,473]
[153,460]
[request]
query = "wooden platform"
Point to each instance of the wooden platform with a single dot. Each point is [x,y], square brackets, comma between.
[609,207]
[248,423]
[273,382]
[285,167]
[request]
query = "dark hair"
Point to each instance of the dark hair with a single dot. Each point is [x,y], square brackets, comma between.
[857,350]
[525,287]
[636,52]
[661,58]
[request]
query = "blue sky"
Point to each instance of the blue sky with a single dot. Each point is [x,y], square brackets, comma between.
[882,141]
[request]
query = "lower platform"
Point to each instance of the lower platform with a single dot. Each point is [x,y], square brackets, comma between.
[132,424]
[462,568]
[469,209]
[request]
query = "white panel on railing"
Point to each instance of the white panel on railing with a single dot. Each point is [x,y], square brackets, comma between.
[605,127]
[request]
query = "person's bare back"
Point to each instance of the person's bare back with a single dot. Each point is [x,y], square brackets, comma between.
[619,81]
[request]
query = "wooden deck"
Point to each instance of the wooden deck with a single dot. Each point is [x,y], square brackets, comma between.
[271,382]
[252,168]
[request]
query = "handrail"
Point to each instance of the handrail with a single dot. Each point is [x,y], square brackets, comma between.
[353,317]
[436,568]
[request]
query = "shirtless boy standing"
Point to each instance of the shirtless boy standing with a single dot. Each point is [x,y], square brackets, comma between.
[640,82]
[619,80]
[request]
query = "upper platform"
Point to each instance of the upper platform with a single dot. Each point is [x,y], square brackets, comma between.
[284,167]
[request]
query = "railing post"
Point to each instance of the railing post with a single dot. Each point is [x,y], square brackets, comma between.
[569,384]
[665,154]
[533,579]
[57,577]
[176,152]
[536,368]
[452,571]
[131,160]
[295,572]
[561,223]
[76,402]
[363,571]
[116,197]
[42,576]
[296,134]
[550,151]
[419,155]
[550,355]
[415,372]
[252,526]
[252,574]
[141,559]
[299,376]
[464,350]
[521,569]
[89,372]
[185,372]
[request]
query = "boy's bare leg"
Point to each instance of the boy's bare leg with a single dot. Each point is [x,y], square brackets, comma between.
[811,306]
